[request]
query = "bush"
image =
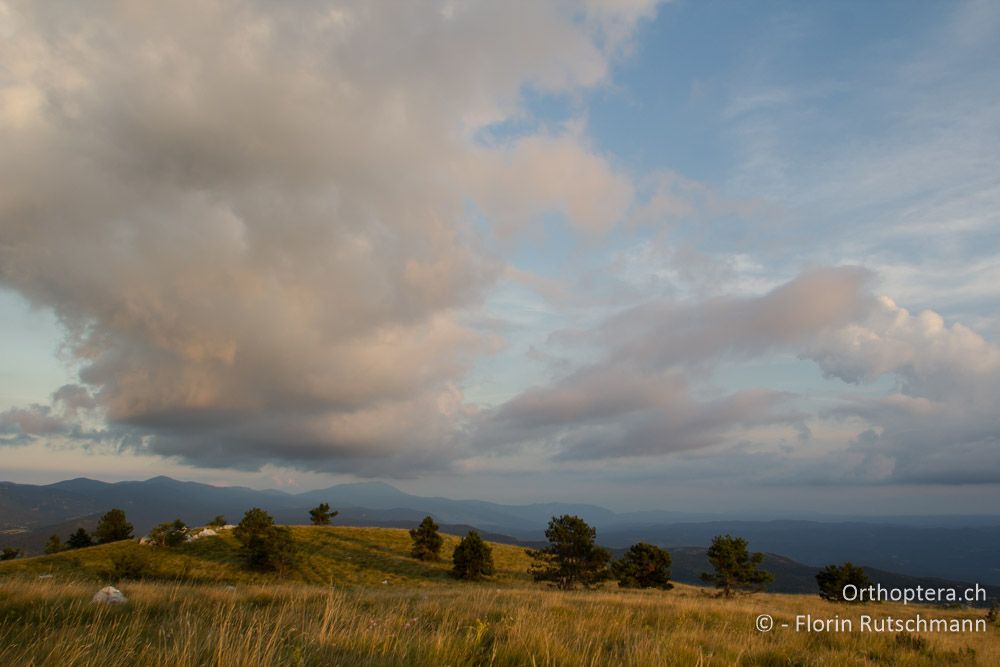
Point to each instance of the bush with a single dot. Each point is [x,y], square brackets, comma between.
[427,541]
[54,545]
[833,578]
[643,566]
[131,564]
[9,553]
[735,567]
[218,522]
[572,556]
[169,534]
[473,558]
[113,527]
[265,546]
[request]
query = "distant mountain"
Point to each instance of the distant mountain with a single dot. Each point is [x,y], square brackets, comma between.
[965,553]
[957,548]
[791,576]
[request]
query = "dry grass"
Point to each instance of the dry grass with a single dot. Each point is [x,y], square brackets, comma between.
[421,617]
[51,622]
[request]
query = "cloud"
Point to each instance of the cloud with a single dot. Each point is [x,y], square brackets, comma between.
[646,396]
[551,174]
[664,332]
[20,425]
[63,418]
[650,393]
[251,219]
[940,423]
[934,360]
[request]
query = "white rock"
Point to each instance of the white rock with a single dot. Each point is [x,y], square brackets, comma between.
[204,532]
[109,595]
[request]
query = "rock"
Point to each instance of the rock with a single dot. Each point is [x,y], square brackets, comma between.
[109,595]
[204,532]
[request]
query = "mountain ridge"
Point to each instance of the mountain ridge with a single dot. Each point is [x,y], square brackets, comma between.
[956,548]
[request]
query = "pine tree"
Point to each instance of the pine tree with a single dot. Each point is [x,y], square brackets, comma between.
[80,539]
[265,546]
[833,578]
[321,515]
[426,540]
[572,556]
[643,566]
[473,558]
[113,527]
[735,568]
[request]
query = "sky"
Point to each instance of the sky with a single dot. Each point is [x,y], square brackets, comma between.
[694,256]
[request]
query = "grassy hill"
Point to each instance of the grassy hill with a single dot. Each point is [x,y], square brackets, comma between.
[329,555]
[202,609]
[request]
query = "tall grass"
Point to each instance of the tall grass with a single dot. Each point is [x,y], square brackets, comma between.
[53,622]
[357,598]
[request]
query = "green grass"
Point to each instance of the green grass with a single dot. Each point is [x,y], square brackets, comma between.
[330,555]
[335,610]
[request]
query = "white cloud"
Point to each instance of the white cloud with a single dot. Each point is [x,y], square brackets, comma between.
[251,218]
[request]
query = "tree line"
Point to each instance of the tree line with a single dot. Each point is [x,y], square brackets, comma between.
[572,558]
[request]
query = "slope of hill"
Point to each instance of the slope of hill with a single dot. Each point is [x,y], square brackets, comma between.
[329,555]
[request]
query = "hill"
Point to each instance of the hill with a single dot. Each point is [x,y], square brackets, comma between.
[357,598]
[328,555]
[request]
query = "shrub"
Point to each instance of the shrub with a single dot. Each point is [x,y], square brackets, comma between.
[218,522]
[131,564]
[113,527]
[572,556]
[643,566]
[427,541]
[54,545]
[473,558]
[169,534]
[9,553]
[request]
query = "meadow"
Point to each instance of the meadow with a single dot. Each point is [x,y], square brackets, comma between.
[358,599]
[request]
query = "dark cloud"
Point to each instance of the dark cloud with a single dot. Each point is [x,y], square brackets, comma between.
[20,425]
